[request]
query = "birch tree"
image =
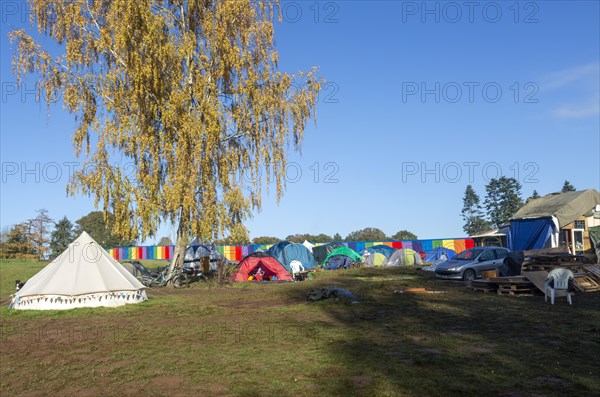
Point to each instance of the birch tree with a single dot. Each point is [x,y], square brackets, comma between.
[180,107]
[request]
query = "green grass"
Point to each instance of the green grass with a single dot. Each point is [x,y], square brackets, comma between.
[266,339]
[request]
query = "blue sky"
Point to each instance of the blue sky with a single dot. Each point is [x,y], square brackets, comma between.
[422,99]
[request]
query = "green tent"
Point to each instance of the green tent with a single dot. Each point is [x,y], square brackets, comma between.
[343,250]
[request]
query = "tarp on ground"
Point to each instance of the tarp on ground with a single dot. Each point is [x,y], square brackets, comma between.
[343,250]
[404,257]
[269,265]
[84,275]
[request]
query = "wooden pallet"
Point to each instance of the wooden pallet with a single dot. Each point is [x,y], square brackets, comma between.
[483,285]
[575,267]
[593,269]
[557,259]
[509,280]
[586,283]
[514,290]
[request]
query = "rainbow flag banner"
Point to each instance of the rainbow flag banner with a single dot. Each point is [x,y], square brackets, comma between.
[238,252]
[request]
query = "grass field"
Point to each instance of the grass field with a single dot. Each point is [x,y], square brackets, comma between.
[267,340]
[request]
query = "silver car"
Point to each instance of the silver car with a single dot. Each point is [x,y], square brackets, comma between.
[469,264]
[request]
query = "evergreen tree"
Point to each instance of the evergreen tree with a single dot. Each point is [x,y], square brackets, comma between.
[337,237]
[61,237]
[472,213]
[503,200]
[567,187]
[534,195]
[101,230]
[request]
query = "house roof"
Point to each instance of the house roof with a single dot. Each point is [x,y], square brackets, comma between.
[502,231]
[566,207]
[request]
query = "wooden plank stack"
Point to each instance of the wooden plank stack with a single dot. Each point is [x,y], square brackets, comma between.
[586,283]
[550,262]
[515,285]
[483,285]
[587,274]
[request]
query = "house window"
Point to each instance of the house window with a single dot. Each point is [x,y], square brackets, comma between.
[579,225]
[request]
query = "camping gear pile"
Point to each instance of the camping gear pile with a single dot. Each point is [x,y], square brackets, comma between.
[333,293]
[525,272]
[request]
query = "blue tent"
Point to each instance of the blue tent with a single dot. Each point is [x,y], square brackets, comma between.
[385,250]
[286,252]
[338,262]
[435,254]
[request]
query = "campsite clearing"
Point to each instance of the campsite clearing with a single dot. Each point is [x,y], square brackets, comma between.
[254,339]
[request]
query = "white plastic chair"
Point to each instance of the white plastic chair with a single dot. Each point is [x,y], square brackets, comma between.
[559,278]
[296,265]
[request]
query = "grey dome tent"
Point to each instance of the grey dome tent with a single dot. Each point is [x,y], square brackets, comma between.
[404,257]
[198,254]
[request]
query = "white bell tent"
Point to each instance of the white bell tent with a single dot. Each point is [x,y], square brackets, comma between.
[84,275]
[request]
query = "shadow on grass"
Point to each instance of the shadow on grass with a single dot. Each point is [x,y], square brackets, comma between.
[453,343]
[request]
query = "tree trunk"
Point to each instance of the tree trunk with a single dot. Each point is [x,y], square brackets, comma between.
[180,246]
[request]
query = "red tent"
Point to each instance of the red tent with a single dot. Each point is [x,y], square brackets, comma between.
[260,260]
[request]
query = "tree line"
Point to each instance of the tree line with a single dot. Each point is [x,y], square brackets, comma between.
[503,199]
[42,237]
[366,234]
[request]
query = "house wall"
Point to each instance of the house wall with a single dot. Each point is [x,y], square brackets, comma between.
[587,244]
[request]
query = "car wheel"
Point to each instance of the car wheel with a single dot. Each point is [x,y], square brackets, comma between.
[469,275]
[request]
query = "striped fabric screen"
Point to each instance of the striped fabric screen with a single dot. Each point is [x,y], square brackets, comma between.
[238,252]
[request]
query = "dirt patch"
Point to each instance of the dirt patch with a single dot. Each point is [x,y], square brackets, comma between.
[479,349]
[244,305]
[214,390]
[33,393]
[171,382]
[361,381]
[430,351]
[132,389]
[550,380]
[394,354]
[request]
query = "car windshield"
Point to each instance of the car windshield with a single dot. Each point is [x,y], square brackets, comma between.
[469,254]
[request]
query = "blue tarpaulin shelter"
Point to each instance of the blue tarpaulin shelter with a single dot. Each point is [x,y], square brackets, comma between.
[530,234]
